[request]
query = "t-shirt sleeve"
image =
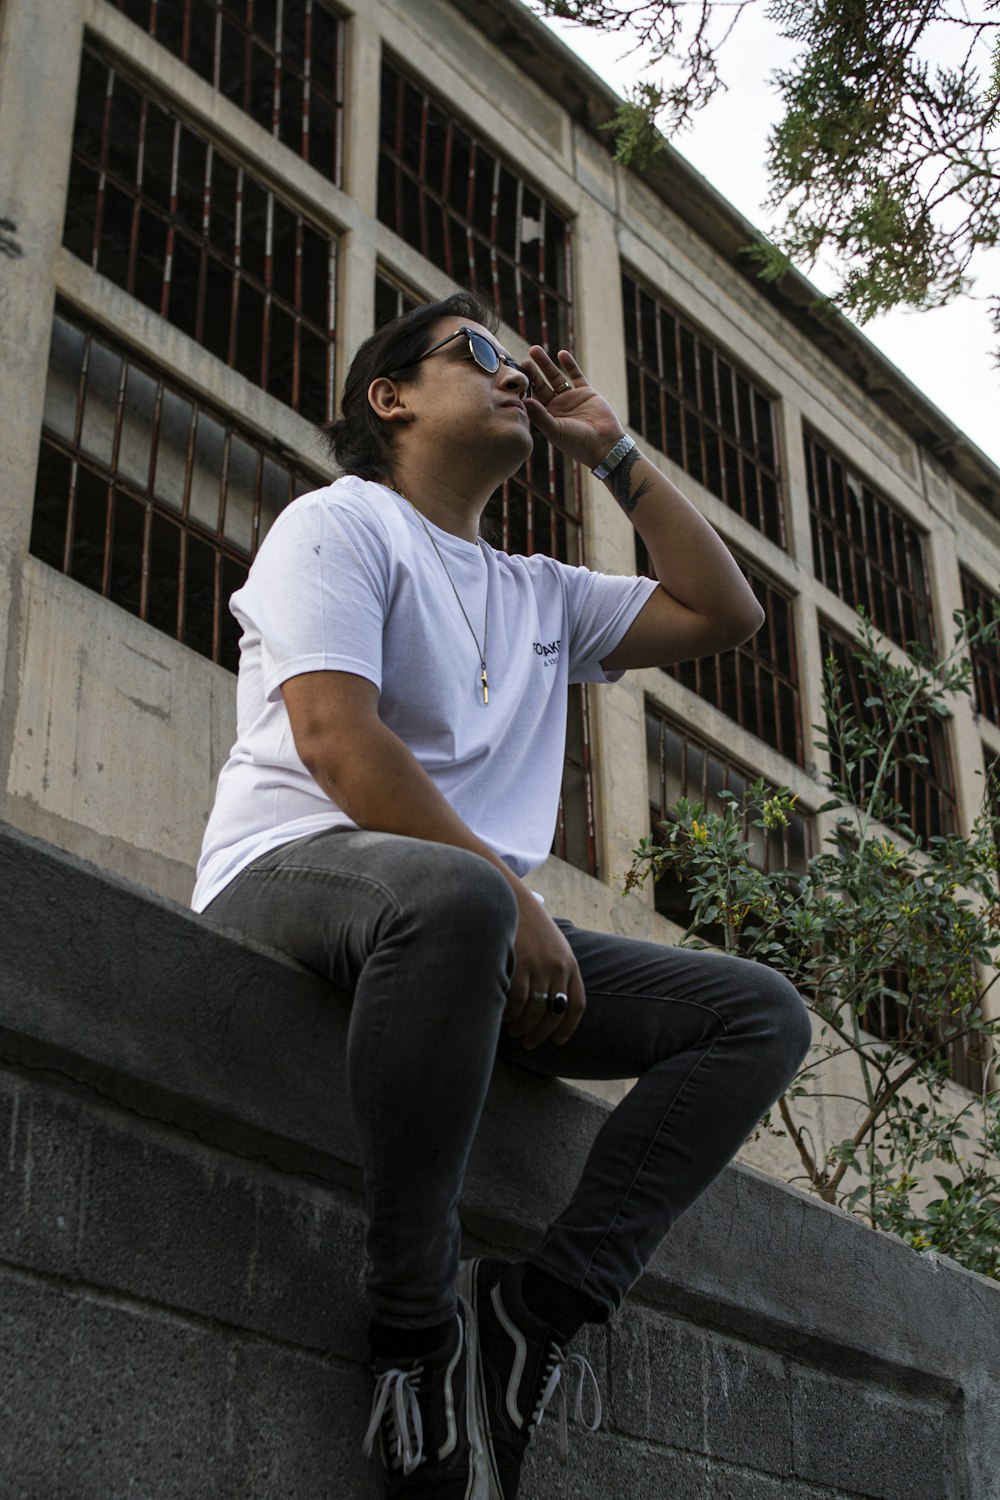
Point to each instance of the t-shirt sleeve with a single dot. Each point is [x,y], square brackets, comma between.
[600,607]
[317,595]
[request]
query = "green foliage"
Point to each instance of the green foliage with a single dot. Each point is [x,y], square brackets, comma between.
[637,140]
[878,918]
[882,161]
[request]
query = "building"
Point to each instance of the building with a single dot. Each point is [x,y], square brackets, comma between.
[207,204]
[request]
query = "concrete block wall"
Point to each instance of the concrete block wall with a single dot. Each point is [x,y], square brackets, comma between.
[182,1260]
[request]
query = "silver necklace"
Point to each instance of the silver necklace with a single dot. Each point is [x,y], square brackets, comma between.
[486,622]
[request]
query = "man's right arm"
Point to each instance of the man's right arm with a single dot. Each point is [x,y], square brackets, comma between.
[377,781]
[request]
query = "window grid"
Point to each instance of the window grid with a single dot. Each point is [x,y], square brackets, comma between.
[890,1019]
[681,764]
[149,496]
[985,657]
[757,685]
[529,516]
[283,64]
[924,791]
[576,835]
[702,410]
[866,551]
[531,509]
[162,212]
[446,193]
[392,298]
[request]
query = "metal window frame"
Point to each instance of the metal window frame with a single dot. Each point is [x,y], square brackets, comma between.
[977,598]
[887,574]
[936,812]
[703,675]
[732,767]
[282,67]
[432,201]
[118,484]
[663,369]
[212,254]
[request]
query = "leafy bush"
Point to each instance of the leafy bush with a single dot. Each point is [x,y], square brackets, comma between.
[880,922]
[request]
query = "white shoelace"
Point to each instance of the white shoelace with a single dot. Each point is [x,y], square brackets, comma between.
[565,1377]
[396,1393]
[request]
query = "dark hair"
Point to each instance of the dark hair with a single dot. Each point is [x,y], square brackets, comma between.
[359,440]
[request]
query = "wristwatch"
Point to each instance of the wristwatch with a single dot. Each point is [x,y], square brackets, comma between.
[611,460]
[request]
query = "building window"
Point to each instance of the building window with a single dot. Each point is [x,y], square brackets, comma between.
[163,213]
[576,839]
[757,685]
[529,515]
[281,63]
[866,551]
[986,656]
[392,298]
[531,511]
[921,781]
[702,410]
[448,194]
[680,764]
[149,496]
[895,1016]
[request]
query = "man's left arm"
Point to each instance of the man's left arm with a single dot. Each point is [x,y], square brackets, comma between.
[704,604]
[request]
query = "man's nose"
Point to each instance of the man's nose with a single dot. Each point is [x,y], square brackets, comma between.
[514,379]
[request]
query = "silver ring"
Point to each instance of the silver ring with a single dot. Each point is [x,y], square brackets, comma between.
[538,997]
[557,1004]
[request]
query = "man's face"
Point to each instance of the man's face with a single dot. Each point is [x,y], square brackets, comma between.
[454,397]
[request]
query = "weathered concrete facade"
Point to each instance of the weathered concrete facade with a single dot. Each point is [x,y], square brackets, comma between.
[182,1247]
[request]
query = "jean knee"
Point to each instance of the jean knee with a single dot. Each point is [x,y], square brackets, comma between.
[457,892]
[788,1026]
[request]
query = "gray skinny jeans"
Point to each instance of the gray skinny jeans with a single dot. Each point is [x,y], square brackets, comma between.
[422,934]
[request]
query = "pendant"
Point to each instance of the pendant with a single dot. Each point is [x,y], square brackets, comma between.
[486,688]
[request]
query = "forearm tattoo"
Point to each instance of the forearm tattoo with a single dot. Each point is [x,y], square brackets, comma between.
[620,480]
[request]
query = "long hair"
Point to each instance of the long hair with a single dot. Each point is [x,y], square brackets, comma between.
[361,443]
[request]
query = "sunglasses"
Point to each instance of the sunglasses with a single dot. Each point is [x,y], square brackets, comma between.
[485,353]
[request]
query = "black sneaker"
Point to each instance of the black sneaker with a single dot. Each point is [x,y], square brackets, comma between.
[425,1416]
[522,1371]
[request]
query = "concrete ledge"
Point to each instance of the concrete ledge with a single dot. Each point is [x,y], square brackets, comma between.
[181,1199]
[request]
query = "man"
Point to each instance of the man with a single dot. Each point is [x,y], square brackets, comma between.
[395,779]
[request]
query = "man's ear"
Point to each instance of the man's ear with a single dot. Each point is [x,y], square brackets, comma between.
[386,400]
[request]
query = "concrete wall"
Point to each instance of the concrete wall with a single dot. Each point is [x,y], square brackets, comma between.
[181,1255]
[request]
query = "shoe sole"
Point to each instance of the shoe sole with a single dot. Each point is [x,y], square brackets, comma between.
[466,1287]
[479,1476]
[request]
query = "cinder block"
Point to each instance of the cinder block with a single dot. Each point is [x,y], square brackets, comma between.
[163,1222]
[308,1273]
[748,1406]
[203,1231]
[657,1379]
[100,1402]
[849,1435]
[604,1465]
[41,1164]
[297,1424]
[728,1483]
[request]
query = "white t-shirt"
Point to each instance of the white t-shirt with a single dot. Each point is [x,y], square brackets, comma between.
[348,580]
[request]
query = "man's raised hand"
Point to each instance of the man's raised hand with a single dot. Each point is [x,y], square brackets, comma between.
[567,410]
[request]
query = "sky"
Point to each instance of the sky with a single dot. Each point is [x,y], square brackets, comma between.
[945,352]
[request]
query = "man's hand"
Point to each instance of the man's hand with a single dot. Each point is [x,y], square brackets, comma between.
[567,410]
[545,966]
